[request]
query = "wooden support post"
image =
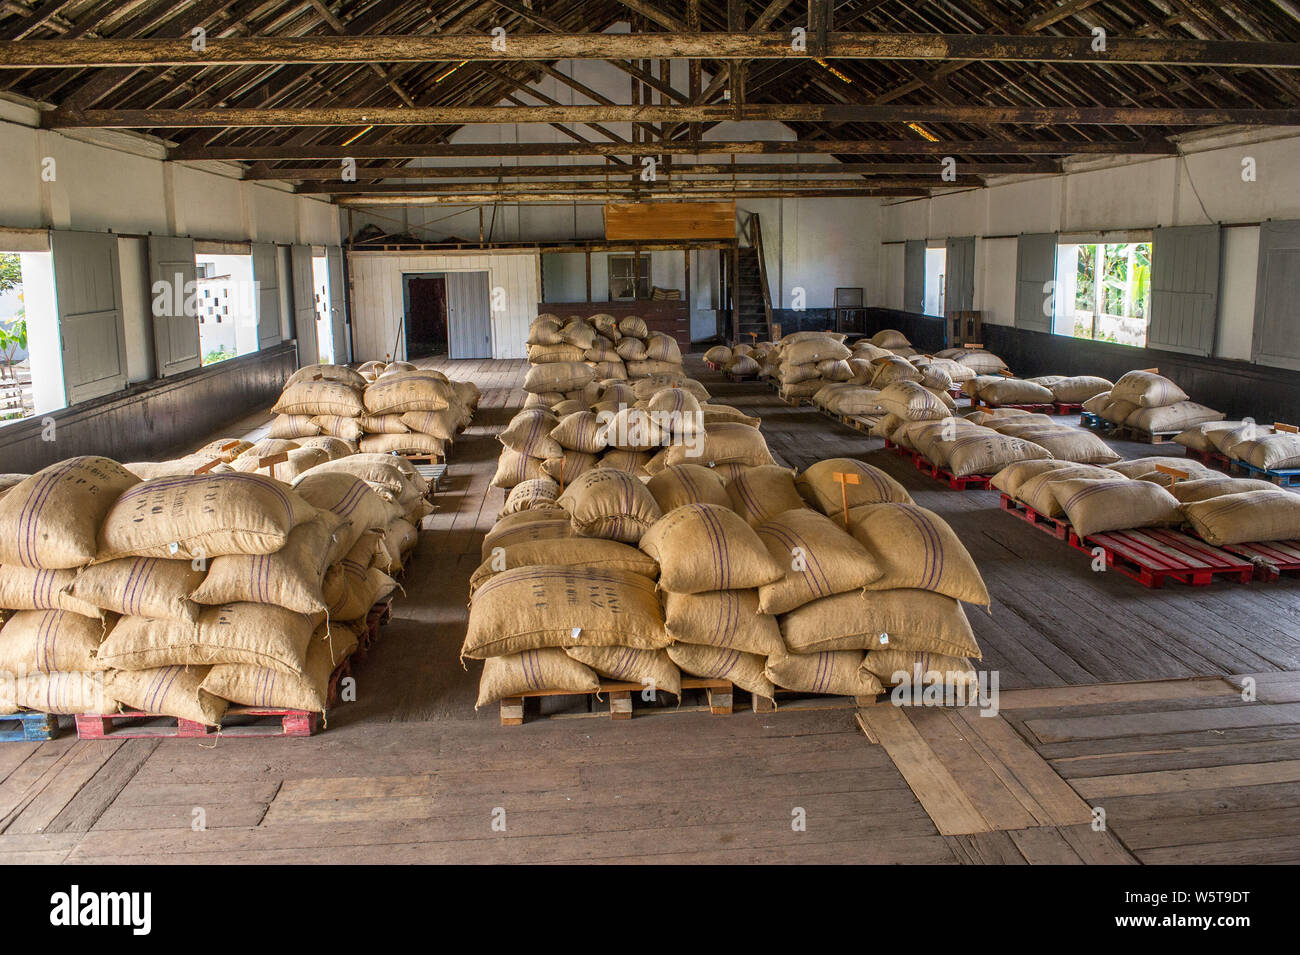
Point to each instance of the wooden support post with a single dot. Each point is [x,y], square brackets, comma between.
[686,259]
[620,705]
[589,275]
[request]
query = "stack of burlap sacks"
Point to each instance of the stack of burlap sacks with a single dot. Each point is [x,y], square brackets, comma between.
[740,360]
[1134,494]
[566,356]
[396,408]
[752,578]
[996,390]
[1261,446]
[178,595]
[1149,402]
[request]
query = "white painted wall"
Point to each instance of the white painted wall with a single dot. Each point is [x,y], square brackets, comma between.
[377,296]
[1115,194]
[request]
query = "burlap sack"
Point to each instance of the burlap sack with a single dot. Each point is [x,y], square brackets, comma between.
[149,470]
[744,366]
[1094,507]
[50,520]
[1073,445]
[529,433]
[1037,491]
[1244,517]
[338,373]
[744,670]
[558,376]
[586,553]
[385,423]
[856,400]
[1097,403]
[293,426]
[298,461]
[601,350]
[647,387]
[648,368]
[1014,391]
[653,670]
[820,489]
[1144,469]
[206,515]
[892,667]
[289,578]
[703,547]
[411,443]
[917,620]
[629,462]
[1012,477]
[634,429]
[722,618]
[514,468]
[761,493]
[914,548]
[1175,417]
[718,354]
[1117,411]
[60,693]
[1202,489]
[818,556]
[838,672]
[1078,388]
[539,492]
[935,439]
[889,338]
[540,526]
[334,447]
[352,594]
[631,349]
[50,641]
[405,392]
[611,504]
[349,429]
[834,369]
[634,326]
[141,587]
[1147,390]
[891,369]
[444,424]
[989,453]
[935,379]
[1245,434]
[385,473]
[168,691]
[541,354]
[982,361]
[227,449]
[580,431]
[351,499]
[909,400]
[791,373]
[687,484]
[544,332]
[320,398]
[554,606]
[814,349]
[1276,452]
[661,347]
[263,687]
[261,634]
[399,540]
[676,403]
[25,588]
[1198,436]
[723,443]
[569,466]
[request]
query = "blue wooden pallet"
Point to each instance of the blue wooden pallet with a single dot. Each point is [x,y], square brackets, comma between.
[1288,478]
[32,727]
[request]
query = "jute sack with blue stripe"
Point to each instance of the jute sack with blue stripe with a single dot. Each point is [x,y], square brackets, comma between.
[1250,516]
[64,692]
[1094,507]
[557,606]
[610,503]
[745,670]
[586,552]
[729,619]
[918,620]
[168,691]
[838,672]
[819,557]
[652,669]
[50,520]
[141,587]
[706,547]
[688,484]
[914,548]
[920,668]
[263,686]
[26,588]
[820,489]
[50,641]
[763,492]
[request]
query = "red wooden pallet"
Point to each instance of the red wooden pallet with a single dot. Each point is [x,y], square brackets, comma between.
[1068,407]
[1271,559]
[1213,458]
[978,482]
[1042,407]
[1153,555]
[1054,526]
[712,365]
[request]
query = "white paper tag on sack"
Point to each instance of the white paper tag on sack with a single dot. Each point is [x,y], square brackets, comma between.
[574,634]
[884,639]
[173,547]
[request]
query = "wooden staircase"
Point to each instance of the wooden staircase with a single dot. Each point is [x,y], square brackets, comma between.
[753,300]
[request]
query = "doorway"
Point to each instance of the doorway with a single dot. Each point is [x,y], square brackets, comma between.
[425,308]
[935,266]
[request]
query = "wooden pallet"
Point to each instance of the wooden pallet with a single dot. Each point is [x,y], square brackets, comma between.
[620,698]
[794,701]
[1286,478]
[1068,407]
[1214,459]
[1153,555]
[1271,559]
[1094,421]
[864,423]
[712,365]
[969,482]
[28,727]
[1129,433]
[435,474]
[1057,528]
[1041,407]
[732,376]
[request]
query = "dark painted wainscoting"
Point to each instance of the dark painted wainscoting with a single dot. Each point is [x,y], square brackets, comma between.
[1239,388]
[154,420]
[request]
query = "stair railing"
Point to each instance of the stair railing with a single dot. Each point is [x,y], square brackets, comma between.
[756,240]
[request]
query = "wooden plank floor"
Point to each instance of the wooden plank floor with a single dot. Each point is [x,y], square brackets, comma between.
[411,773]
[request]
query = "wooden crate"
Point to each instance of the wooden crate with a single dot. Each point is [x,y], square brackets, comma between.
[620,698]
